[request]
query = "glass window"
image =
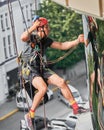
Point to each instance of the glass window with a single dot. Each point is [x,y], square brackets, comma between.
[6,20]
[27,13]
[4,45]
[9,45]
[32,12]
[2,23]
[21,99]
[75,94]
[14,49]
[23,17]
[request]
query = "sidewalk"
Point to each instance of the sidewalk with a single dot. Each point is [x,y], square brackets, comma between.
[84,122]
[7,109]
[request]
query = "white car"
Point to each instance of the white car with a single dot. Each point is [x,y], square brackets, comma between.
[75,93]
[61,124]
[23,100]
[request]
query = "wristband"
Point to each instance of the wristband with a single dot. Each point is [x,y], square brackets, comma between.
[32,110]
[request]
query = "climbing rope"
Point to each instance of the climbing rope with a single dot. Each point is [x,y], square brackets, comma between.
[12,25]
[22,84]
[15,45]
[61,57]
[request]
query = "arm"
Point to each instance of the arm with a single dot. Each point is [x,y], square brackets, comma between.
[68,44]
[25,35]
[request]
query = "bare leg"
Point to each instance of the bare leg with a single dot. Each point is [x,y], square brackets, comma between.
[100,86]
[58,81]
[92,79]
[99,80]
[39,84]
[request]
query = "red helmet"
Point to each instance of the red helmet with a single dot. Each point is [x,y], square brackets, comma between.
[43,21]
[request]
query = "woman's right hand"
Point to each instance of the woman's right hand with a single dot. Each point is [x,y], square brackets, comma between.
[36,24]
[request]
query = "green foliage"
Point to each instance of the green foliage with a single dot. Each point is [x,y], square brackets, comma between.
[70,60]
[90,63]
[100,36]
[65,25]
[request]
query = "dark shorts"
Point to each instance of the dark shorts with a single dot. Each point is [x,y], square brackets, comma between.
[46,73]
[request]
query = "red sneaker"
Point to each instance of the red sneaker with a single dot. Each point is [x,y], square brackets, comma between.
[75,108]
[78,110]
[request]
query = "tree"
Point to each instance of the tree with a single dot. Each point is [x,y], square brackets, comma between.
[65,25]
[100,35]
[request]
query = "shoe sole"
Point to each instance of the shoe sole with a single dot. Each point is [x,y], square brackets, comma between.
[29,128]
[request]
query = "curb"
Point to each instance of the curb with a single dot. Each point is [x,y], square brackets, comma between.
[9,114]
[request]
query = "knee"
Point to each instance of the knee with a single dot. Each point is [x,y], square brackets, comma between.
[42,90]
[62,83]
[92,79]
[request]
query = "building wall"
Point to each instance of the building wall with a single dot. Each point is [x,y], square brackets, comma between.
[7,45]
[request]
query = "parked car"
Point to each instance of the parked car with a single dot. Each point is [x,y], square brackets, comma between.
[24,97]
[75,93]
[72,117]
[61,124]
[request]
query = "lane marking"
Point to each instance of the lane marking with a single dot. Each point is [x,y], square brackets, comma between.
[9,114]
[16,110]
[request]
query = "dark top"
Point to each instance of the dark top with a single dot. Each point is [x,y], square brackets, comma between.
[37,53]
